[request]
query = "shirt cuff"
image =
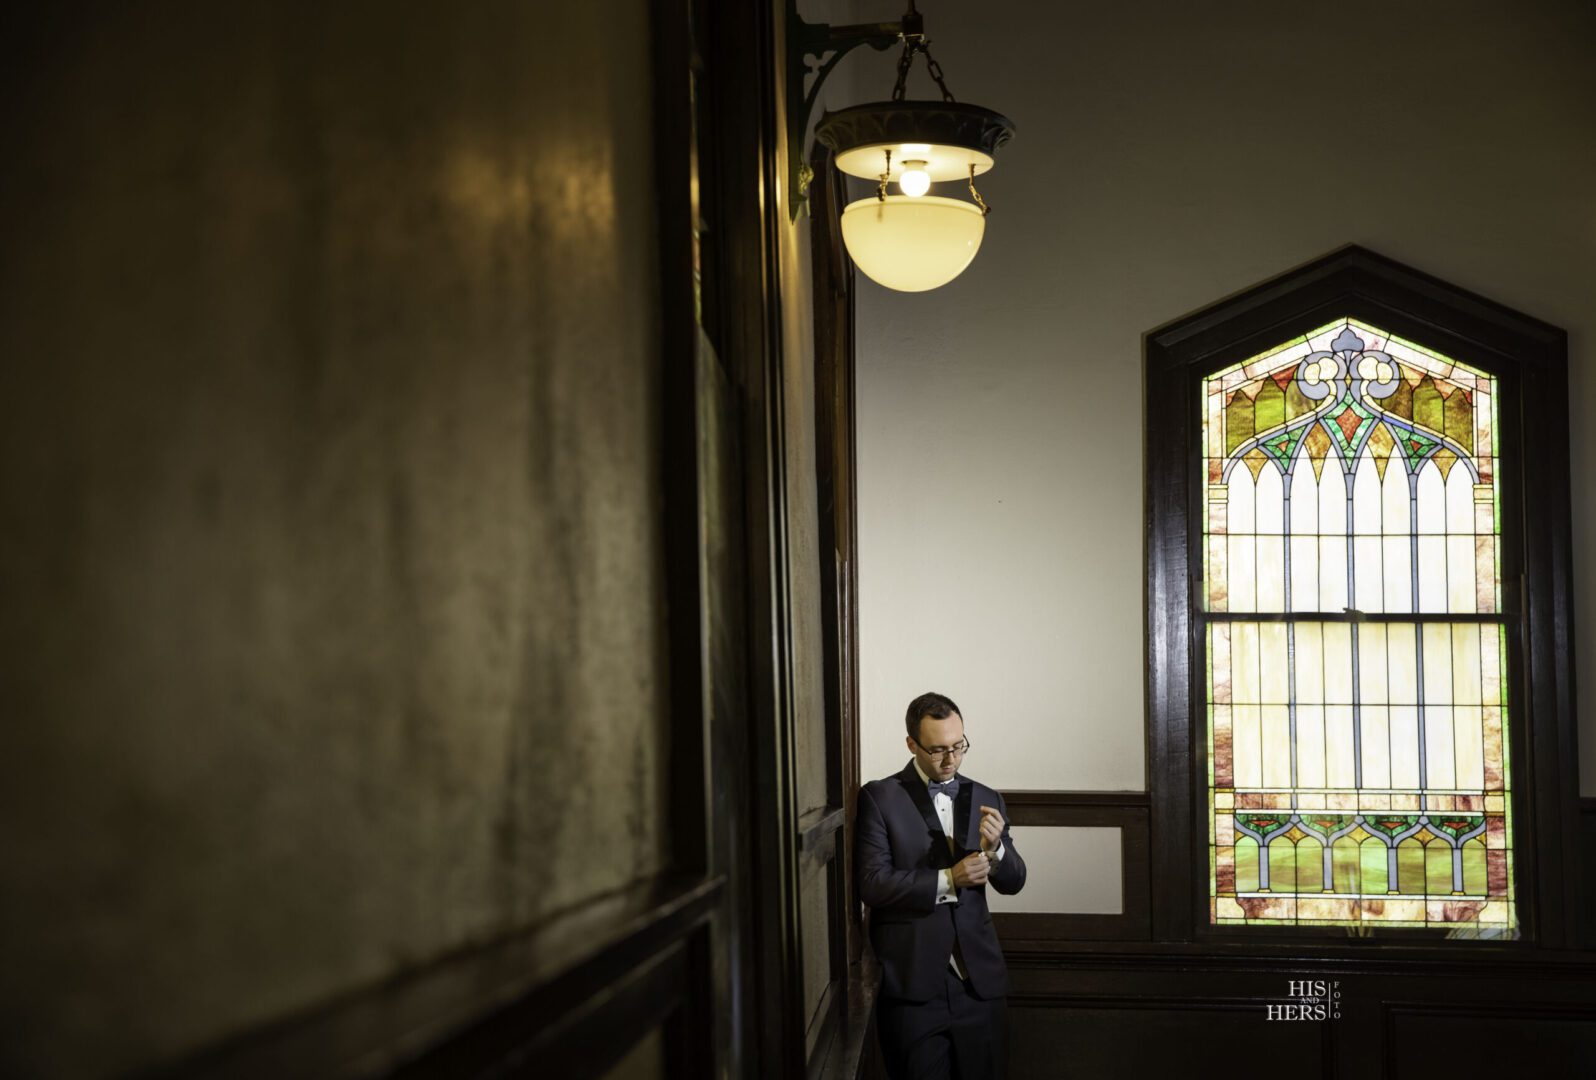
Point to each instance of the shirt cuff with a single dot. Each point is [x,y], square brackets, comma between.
[999,853]
[945,893]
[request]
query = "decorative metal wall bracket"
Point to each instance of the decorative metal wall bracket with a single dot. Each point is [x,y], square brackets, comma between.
[814,49]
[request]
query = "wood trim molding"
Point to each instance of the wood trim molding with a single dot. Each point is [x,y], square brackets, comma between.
[1137,800]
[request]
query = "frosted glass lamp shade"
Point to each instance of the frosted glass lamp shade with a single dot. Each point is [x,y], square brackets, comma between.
[912,244]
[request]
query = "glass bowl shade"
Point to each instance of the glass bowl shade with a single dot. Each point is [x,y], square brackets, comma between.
[912,244]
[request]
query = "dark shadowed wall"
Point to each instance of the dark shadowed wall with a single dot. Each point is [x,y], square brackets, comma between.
[331,574]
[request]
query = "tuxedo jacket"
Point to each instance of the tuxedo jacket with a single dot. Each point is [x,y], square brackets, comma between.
[899,850]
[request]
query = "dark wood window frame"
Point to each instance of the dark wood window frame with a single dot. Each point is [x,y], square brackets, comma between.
[1530,359]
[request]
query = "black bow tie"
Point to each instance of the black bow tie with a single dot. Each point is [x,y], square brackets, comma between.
[950,788]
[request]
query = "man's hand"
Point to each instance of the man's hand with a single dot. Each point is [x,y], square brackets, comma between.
[991,828]
[970,871]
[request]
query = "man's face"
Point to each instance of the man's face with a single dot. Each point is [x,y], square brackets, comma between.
[937,735]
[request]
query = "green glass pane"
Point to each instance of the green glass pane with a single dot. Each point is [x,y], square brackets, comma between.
[1374,866]
[1427,406]
[1438,868]
[1282,866]
[1410,867]
[1238,422]
[1247,865]
[1269,407]
[1458,413]
[1474,880]
[1344,866]
[1310,866]
[1400,403]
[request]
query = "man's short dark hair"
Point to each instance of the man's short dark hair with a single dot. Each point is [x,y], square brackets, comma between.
[936,706]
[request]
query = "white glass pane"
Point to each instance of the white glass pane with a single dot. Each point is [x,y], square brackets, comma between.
[1437,664]
[1333,573]
[1440,767]
[1396,508]
[1459,500]
[1402,664]
[1338,746]
[1270,501]
[1461,595]
[1271,573]
[1276,746]
[1398,573]
[1242,581]
[1242,517]
[1404,742]
[1310,662]
[1246,746]
[1375,723]
[1273,674]
[1369,584]
[1432,500]
[1333,498]
[1371,664]
[1310,746]
[1432,573]
[1304,573]
[1338,663]
[1244,664]
[1466,664]
[1304,498]
[1366,510]
[1491,686]
[1468,738]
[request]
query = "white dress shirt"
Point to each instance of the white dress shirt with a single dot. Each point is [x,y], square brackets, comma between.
[946,894]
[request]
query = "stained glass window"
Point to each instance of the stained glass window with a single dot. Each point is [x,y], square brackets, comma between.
[1358,769]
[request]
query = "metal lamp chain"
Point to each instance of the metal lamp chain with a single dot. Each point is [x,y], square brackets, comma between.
[935,69]
[912,45]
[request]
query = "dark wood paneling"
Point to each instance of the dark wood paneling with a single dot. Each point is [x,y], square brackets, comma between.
[1153,1010]
[1463,1040]
[1587,866]
[1153,1036]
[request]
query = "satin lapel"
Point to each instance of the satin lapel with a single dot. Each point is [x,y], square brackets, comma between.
[922,799]
[962,824]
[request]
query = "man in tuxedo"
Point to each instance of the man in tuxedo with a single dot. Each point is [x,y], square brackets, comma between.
[928,842]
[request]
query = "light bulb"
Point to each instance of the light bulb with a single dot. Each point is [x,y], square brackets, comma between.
[914,181]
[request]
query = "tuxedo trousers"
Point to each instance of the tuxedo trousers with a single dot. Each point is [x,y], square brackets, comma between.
[954,1036]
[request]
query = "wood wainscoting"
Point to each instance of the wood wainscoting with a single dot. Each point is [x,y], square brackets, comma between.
[1094,996]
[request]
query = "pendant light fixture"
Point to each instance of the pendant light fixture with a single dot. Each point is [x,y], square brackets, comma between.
[910,240]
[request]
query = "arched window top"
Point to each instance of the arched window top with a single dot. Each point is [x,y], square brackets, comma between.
[1347,389]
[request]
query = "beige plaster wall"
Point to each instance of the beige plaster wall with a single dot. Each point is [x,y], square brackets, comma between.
[1167,157]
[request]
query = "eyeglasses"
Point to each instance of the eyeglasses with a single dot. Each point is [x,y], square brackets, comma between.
[951,751]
